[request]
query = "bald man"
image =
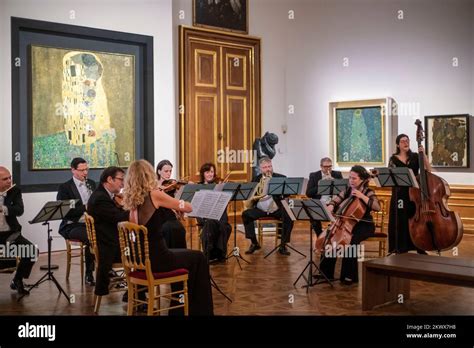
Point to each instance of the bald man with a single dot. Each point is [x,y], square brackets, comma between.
[11,206]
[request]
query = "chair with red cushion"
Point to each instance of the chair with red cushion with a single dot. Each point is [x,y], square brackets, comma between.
[136,261]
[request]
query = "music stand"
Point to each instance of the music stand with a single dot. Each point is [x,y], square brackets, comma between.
[395,177]
[212,209]
[240,192]
[282,186]
[332,187]
[51,211]
[312,210]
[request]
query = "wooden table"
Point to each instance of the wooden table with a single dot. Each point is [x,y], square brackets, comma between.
[385,279]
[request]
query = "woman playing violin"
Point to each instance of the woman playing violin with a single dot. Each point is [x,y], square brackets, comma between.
[215,234]
[173,230]
[363,229]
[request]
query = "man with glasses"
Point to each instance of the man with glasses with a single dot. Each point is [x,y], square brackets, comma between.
[73,225]
[326,173]
[107,214]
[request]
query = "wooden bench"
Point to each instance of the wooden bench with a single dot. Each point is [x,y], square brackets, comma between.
[384,280]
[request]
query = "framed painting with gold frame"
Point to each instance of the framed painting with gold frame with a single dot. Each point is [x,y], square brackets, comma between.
[447,140]
[359,131]
[228,15]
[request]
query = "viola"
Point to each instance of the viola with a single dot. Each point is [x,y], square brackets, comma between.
[171,185]
[433,226]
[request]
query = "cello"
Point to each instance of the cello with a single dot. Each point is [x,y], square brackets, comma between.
[348,215]
[433,226]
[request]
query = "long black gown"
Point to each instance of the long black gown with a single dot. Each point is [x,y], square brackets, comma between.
[173,230]
[401,210]
[163,260]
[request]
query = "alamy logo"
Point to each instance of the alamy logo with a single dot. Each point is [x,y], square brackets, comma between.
[37,331]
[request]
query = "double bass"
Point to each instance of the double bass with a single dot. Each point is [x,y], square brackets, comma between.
[433,227]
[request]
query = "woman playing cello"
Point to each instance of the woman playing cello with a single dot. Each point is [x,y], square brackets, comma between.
[362,228]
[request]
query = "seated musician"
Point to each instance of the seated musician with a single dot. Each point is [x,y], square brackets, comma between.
[107,213]
[363,229]
[173,230]
[11,206]
[73,226]
[266,206]
[326,173]
[215,234]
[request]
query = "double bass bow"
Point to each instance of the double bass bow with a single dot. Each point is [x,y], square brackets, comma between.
[433,227]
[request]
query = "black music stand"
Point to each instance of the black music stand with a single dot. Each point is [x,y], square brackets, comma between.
[282,186]
[395,177]
[52,211]
[213,282]
[332,187]
[240,192]
[312,210]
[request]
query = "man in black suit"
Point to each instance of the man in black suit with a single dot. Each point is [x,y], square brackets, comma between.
[325,173]
[73,225]
[267,206]
[11,206]
[106,216]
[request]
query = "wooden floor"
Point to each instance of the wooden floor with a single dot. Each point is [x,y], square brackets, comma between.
[264,287]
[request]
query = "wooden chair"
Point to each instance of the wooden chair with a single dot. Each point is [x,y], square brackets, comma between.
[136,260]
[115,282]
[72,253]
[269,220]
[380,236]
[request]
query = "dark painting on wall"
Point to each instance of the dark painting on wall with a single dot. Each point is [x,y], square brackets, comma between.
[230,15]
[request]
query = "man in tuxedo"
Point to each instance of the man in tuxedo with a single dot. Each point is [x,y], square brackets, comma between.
[107,214]
[11,206]
[267,206]
[326,173]
[73,225]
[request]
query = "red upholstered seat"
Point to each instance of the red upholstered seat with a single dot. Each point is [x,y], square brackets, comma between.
[379,235]
[161,275]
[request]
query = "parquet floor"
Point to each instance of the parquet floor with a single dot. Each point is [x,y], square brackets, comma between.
[263,287]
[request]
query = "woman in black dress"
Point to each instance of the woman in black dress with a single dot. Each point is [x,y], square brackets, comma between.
[215,234]
[173,230]
[401,209]
[141,194]
[358,189]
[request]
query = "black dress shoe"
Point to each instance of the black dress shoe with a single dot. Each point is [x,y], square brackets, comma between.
[90,279]
[283,250]
[17,284]
[253,248]
[347,281]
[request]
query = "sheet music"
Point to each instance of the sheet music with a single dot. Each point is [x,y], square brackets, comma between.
[210,204]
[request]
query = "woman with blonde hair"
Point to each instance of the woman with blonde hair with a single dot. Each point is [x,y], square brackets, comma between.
[146,202]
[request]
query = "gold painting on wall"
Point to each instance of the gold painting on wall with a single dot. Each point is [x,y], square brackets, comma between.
[83,105]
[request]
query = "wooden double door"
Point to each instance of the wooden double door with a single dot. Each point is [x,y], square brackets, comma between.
[219,102]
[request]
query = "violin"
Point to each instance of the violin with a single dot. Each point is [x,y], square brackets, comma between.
[219,180]
[433,226]
[171,185]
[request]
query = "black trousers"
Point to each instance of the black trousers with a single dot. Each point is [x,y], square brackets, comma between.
[349,268]
[250,215]
[26,263]
[78,231]
[107,257]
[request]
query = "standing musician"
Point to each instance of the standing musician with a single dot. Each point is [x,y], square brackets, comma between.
[266,206]
[11,206]
[363,229]
[107,213]
[326,173]
[215,234]
[173,230]
[73,225]
[400,209]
